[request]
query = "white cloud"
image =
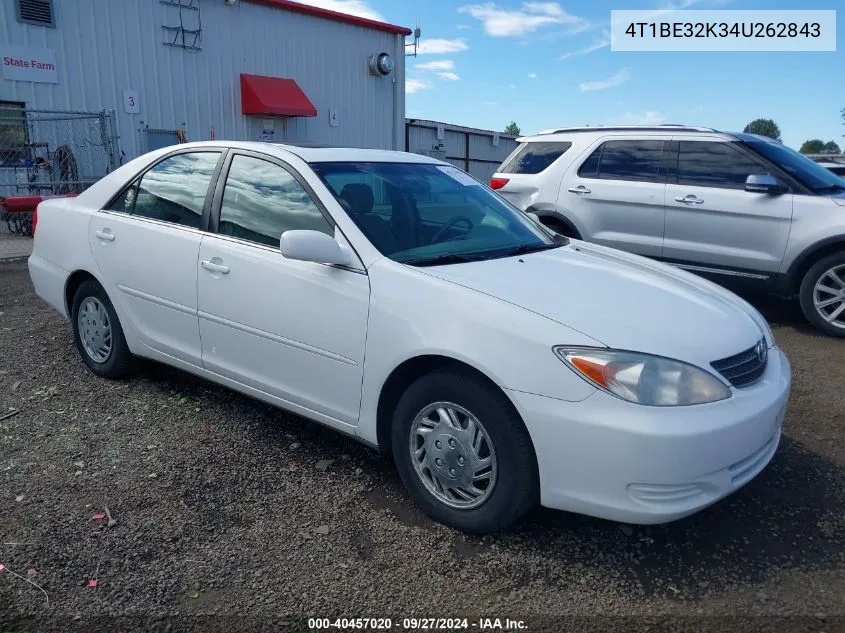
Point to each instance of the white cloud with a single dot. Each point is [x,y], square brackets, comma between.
[597,45]
[441,46]
[500,22]
[617,80]
[462,27]
[512,86]
[352,7]
[449,75]
[415,85]
[440,64]
[643,118]
[532,75]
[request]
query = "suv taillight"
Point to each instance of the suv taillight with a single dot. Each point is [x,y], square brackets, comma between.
[498,183]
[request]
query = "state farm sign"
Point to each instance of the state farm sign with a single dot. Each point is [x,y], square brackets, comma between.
[22,63]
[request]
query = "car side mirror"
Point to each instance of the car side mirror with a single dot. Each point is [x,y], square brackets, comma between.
[764,183]
[313,246]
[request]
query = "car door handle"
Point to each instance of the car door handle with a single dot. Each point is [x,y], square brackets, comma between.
[215,268]
[580,189]
[105,235]
[690,199]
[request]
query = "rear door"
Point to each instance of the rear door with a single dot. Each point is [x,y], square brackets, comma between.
[712,221]
[615,194]
[146,247]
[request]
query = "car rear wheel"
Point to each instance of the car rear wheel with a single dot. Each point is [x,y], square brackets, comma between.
[823,295]
[98,334]
[463,452]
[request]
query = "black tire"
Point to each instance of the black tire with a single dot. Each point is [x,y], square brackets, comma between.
[558,227]
[516,490]
[808,284]
[120,361]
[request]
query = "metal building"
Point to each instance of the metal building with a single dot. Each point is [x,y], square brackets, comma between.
[477,152]
[107,80]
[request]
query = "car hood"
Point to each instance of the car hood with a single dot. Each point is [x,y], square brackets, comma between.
[839,199]
[622,300]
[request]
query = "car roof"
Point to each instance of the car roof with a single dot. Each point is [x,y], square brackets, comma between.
[675,130]
[317,154]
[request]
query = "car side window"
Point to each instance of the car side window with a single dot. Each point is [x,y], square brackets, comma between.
[637,160]
[709,164]
[174,190]
[262,200]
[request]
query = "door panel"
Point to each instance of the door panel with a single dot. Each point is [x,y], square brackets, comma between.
[146,246]
[293,329]
[296,330]
[711,219]
[616,196]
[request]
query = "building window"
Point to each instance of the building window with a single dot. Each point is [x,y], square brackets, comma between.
[38,12]
[13,133]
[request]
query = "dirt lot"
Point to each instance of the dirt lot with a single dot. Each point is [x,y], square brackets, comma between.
[226,506]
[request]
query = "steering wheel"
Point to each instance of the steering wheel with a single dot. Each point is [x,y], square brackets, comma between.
[457,220]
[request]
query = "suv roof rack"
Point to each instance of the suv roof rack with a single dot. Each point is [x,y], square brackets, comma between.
[639,128]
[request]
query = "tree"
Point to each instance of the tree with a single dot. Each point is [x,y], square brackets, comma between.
[813,146]
[764,127]
[513,129]
[818,146]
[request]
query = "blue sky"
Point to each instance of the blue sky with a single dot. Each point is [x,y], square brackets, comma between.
[547,64]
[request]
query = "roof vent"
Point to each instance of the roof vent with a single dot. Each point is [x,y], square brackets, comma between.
[38,12]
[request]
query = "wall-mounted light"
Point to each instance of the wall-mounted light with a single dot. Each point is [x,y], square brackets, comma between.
[381,64]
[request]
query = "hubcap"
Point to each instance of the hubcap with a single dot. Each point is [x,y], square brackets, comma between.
[453,455]
[94,329]
[829,296]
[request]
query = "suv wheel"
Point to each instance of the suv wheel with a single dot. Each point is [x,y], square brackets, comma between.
[558,227]
[823,295]
[463,452]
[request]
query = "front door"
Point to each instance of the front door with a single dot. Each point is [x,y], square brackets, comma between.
[146,247]
[711,220]
[294,330]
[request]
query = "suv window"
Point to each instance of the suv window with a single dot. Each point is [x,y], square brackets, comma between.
[709,164]
[625,160]
[262,200]
[532,158]
[172,191]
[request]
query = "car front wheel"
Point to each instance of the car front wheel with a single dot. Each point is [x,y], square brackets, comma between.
[823,295]
[97,332]
[463,452]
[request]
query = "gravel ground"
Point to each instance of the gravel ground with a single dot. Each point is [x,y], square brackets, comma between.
[226,507]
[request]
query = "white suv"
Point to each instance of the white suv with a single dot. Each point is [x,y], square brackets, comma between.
[730,206]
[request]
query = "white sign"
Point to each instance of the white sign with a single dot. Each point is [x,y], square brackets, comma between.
[496,139]
[130,102]
[268,130]
[22,63]
[333,120]
[441,131]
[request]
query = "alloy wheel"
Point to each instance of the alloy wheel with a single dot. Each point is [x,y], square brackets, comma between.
[829,296]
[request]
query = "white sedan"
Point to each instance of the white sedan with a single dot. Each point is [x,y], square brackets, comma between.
[394,298]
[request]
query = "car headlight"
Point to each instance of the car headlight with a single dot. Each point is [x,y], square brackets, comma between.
[644,379]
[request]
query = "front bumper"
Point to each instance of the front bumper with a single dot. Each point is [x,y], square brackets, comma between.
[616,460]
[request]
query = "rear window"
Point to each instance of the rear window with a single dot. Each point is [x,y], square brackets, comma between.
[532,158]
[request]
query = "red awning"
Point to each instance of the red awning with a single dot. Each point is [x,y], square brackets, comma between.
[274,95]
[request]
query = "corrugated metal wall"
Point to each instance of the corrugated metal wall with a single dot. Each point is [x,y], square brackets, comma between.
[104,47]
[467,148]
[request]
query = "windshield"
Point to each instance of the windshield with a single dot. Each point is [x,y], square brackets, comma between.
[806,171]
[425,214]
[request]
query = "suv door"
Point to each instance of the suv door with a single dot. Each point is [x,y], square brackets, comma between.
[615,194]
[291,329]
[146,246]
[712,221]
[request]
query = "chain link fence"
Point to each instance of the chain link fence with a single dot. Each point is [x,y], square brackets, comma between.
[47,152]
